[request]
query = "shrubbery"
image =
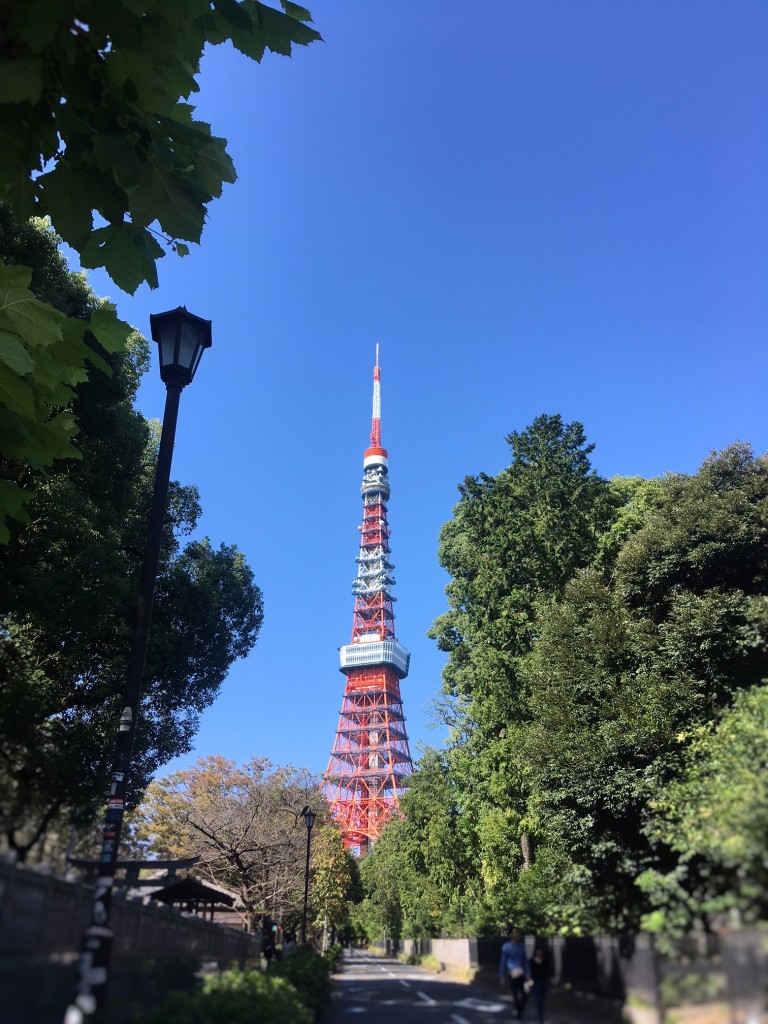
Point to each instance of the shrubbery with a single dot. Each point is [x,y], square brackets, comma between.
[332,955]
[310,974]
[236,997]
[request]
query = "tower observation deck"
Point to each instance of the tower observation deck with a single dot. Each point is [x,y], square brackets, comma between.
[371,760]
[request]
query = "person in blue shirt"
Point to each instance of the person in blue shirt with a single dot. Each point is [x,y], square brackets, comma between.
[513,965]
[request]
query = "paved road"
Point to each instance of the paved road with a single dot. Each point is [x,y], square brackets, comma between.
[377,990]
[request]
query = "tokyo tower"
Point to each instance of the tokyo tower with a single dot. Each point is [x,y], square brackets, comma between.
[371,761]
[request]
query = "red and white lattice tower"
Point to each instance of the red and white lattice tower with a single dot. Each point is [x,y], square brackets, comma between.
[371,761]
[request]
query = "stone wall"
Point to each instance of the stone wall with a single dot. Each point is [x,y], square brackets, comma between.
[156,948]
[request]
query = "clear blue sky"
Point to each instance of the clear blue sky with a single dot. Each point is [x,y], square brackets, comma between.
[533,206]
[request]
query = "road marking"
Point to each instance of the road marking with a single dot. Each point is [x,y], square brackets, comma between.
[426,998]
[405,984]
[481,1005]
[459,1019]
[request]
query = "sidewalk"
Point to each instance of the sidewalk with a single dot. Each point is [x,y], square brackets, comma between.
[563,1006]
[484,988]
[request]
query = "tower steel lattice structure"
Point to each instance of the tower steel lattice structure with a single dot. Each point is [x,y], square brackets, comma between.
[371,760]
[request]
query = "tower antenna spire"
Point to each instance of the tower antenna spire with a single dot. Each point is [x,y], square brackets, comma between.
[376,420]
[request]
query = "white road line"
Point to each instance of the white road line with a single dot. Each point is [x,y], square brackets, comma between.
[405,984]
[459,1019]
[426,998]
[483,1005]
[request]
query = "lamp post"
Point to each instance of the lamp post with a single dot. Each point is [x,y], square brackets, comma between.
[309,820]
[181,339]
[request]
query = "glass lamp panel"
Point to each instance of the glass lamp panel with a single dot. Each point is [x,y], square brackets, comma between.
[188,344]
[167,342]
[198,357]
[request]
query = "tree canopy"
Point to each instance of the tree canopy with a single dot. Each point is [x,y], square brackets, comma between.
[245,825]
[52,329]
[514,541]
[714,815]
[94,124]
[97,134]
[68,584]
[608,643]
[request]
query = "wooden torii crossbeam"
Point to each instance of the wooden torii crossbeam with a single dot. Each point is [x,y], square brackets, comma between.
[130,879]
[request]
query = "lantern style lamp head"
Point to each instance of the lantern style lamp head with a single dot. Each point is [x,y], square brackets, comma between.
[181,338]
[309,818]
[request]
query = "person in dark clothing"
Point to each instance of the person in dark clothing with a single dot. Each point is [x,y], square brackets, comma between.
[539,972]
[513,964]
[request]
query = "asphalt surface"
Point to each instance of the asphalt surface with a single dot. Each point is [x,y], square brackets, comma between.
[377,990]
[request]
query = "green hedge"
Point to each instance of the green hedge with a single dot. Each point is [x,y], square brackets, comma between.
[236,997]
[310,974]
[332,955]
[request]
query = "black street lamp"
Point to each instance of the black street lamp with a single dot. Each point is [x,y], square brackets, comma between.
[309,820]
[181,338]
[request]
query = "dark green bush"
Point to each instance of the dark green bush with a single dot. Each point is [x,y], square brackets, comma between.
[310,975]
[236,997]
[332,955]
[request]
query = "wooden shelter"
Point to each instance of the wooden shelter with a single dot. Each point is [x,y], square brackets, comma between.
[193,897]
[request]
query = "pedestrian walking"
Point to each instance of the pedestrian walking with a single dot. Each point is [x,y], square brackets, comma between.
[514,966]
[539,972]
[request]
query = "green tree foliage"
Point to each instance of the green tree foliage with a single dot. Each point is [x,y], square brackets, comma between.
[513,543]
[600,717]
[714,816]
[601,690]
[420,878]
[708,532]
[310,974]
[96,133]
[380,913]
[236,997]
[335,880]
[52,328]
[628,663]
[68,584]
[94,123]
[626,666]
[438,841]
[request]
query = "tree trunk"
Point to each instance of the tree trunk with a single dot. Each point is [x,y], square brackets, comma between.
[526,848]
